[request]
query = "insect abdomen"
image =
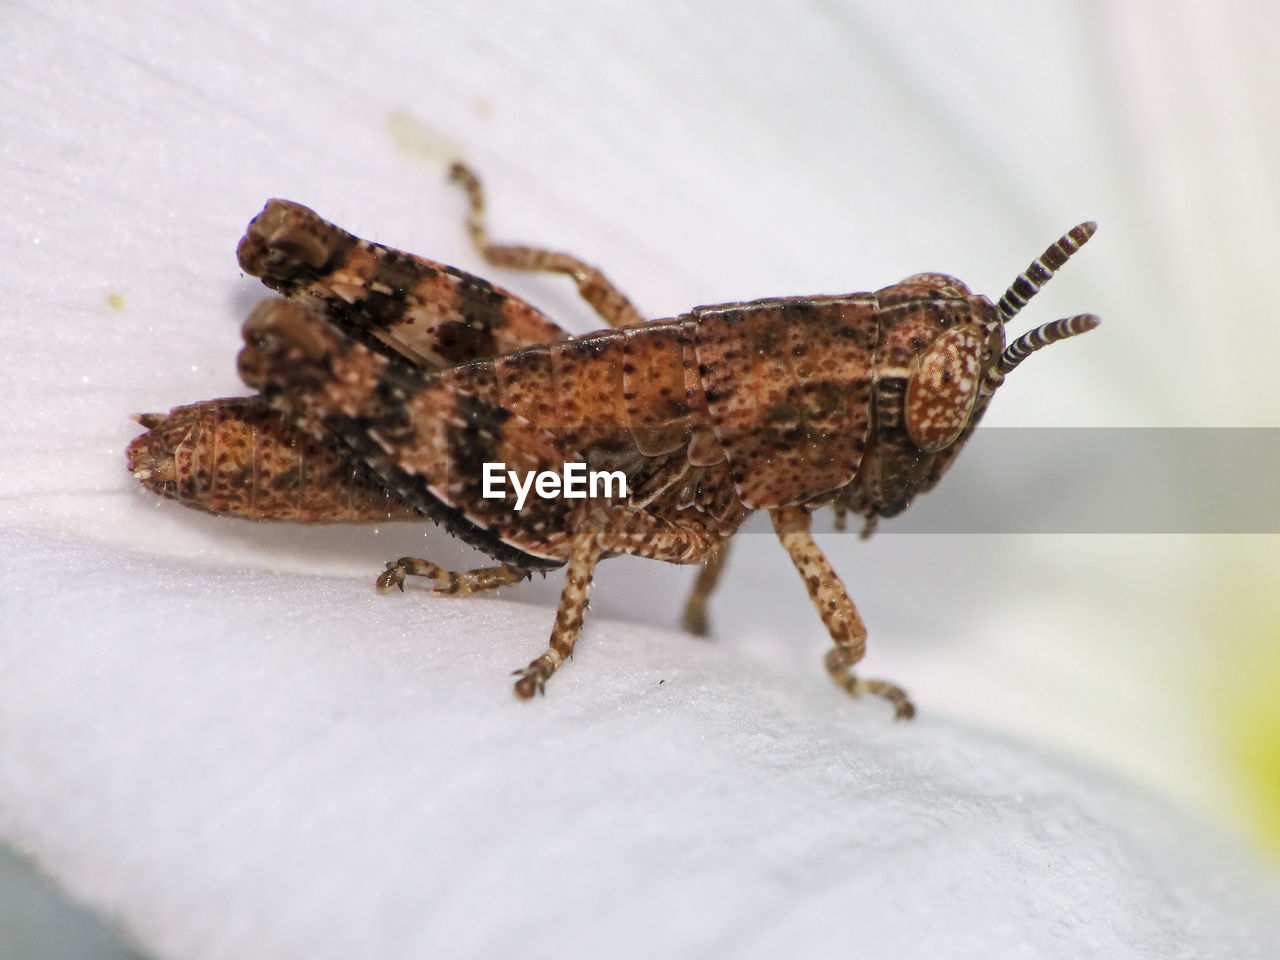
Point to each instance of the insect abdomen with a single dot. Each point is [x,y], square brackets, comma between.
[238,457]
[613,397]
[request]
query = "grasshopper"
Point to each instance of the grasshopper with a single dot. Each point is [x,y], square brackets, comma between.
[386,383]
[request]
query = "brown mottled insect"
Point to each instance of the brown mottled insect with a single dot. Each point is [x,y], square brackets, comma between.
[386,382]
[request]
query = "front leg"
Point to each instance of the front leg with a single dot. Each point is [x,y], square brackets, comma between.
[836,609]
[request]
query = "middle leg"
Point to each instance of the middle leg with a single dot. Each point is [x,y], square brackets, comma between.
[695,608]
[583,557]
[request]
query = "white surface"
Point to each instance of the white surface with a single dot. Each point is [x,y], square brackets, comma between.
[244,764]
[238,763]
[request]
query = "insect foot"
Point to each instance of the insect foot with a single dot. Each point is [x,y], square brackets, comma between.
[393,387]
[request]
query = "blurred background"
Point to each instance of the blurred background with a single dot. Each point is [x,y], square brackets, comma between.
[699,154]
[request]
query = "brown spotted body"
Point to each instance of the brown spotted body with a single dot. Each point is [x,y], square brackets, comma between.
[237,456]
[390,381]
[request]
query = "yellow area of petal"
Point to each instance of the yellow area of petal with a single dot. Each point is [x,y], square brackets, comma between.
[418,141]
[1248,687]
[1255,744]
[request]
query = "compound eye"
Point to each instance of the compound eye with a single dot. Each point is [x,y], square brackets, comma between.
[943,389]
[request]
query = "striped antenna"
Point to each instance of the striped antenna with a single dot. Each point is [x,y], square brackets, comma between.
[1029,343]
[1038,274]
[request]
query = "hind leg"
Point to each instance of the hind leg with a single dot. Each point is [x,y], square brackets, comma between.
[606,299]
[462,582]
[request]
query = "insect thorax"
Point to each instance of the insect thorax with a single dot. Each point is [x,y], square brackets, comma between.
[864,398]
